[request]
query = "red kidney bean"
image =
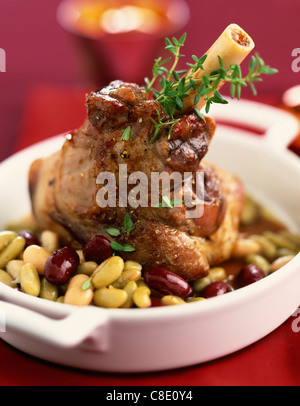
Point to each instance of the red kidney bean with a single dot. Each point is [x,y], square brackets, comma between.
[29,237]
[215,288]
[98,249]
[249,274]
[167,282]
[156,303]
[61,265]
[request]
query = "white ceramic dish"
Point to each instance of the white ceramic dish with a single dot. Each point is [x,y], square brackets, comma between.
[140,340]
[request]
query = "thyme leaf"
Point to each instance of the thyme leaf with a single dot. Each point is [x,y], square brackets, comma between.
[128,224]
[87,284]
[121,247]
[167,202]
[113,231]
[126,133]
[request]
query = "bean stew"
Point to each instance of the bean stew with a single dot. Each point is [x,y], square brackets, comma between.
[34,262]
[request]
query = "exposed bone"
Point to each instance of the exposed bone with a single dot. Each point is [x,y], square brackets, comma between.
[233,45]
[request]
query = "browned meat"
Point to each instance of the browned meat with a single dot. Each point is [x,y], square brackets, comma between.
[64,186]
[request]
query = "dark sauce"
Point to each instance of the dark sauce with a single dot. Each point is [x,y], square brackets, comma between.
[257,227]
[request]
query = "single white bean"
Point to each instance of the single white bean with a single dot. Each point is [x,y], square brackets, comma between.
[245,246]
[108,272]
[13,268]
[87,268]
[37,256]
[11,251]
[77,293]
[30,280]
[141,297]
[110,297]
[49,240]
[280,262]
[48,291]
[7,279]
[170,300]
[6,237]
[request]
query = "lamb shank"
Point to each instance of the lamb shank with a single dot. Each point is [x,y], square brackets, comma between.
[64,186]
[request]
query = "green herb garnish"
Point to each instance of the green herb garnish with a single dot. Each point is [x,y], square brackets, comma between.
[126,133]
[115,232]
[233,75]
[160,124]
[121,247]
[87,284]
[128,227]
[167,202]
[128,224]
[175,84]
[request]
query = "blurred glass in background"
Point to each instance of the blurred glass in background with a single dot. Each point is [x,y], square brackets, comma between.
[57,50]
[118,39]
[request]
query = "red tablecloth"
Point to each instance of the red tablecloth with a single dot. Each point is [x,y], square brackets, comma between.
[274,360]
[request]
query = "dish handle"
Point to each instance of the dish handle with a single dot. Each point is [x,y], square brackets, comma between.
[86,327]
[279,127]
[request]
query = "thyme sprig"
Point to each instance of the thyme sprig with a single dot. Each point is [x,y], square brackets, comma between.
[175,84]
[160,124]
[233,75]
[115,232]
[128,227]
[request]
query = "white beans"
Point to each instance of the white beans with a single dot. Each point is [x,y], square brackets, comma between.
[170,300]
[48,291]
[259,261]
[108,272]
[49,241]
[132,265]
[11,251]
[115,283]
[129,288]
[250,212]
[7,279]
[37,256]
[201,283]
[110,297]
[245,247]
[141,296]
[280,262]
[217,274]
[87,268]
[13,267]
[29,280]
[127,276]
[77,293]
[6,237]
[267,247]
[280,240]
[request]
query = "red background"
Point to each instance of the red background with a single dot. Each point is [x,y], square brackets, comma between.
[39,51]
[42,94]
